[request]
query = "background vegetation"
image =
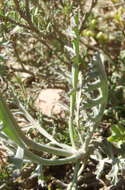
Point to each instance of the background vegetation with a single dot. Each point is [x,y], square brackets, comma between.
[34,55]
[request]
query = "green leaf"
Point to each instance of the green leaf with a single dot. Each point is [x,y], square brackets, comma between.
[121,129]
[113,138]
[8,122]
[1,58]
[18,159]
[116,130]
[118,133]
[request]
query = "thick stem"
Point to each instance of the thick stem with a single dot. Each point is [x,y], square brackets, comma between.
[73,184]
[73,103]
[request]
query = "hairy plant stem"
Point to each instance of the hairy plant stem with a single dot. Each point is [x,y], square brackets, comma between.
[75,75]
[73,103]
[73,184]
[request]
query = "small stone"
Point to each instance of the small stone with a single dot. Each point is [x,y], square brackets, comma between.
[51,102]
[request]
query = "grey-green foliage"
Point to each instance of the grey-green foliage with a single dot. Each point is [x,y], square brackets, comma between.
[71,154]
[88,98]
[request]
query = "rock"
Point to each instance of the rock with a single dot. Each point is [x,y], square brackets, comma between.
[51,102]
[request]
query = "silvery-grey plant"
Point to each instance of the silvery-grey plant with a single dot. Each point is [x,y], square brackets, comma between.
[88,98]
